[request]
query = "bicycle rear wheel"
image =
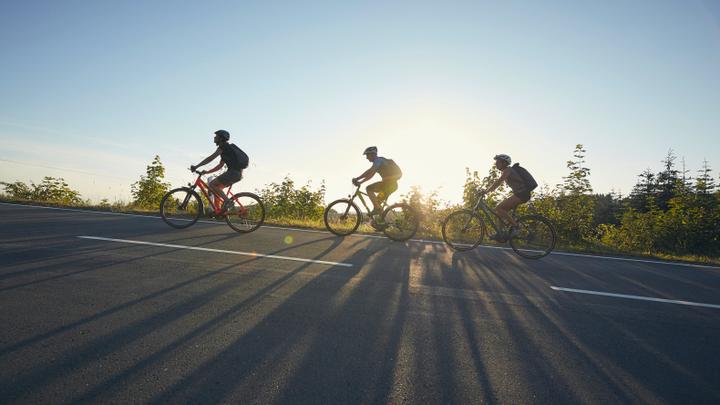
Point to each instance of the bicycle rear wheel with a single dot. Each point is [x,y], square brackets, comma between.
[342,217]
[181,207]
[463,230]
[536,237]
[247,214]
[400,222]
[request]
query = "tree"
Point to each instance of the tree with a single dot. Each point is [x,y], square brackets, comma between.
[50,189]
[644,191]
[705,183]
[577,182]
[284,200]
[575,205]
[667,180]
[149,190]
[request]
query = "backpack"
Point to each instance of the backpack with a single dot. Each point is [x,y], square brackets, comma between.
[390,169]
[526,176]
[242,157]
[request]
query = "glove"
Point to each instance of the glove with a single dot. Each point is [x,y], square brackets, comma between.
[355,182]
[193,168]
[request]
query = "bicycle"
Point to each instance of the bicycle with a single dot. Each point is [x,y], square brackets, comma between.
[465,229]
[181,207]
[398,222]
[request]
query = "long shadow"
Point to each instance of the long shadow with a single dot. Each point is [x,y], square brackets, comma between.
[589,347]
[114,341]
[126,305]
[201,329]
[269,343]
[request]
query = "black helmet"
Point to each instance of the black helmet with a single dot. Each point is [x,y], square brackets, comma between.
[223,134]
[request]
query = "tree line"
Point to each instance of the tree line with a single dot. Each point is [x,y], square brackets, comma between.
[669,212]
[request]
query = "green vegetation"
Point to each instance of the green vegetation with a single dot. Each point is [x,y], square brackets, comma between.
[668,214]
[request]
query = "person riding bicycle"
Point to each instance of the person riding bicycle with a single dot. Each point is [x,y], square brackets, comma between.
[520,182]
[381,190]
[231,156]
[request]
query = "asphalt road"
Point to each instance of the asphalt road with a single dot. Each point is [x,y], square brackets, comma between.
[140,317]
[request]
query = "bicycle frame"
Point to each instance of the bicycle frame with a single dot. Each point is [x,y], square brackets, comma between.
[359,194]
[217,202]
[489,214]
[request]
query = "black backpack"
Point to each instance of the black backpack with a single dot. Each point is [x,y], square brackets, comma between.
[526,176]
[390,169]
[242,157]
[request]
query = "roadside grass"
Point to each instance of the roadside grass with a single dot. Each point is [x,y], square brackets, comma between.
[426,231]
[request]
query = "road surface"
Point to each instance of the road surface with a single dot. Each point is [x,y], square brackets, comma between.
[101,307]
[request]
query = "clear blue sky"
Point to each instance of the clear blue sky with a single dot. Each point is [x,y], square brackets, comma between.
[101,87]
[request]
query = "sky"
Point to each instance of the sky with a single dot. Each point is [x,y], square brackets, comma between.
[91,91]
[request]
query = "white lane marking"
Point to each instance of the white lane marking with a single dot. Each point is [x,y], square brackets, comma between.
[252,254]
[636,297]
[589,256]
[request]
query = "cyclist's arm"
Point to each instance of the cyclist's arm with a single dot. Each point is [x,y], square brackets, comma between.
[209,158]
[498,182]
[367,175]
[216,168]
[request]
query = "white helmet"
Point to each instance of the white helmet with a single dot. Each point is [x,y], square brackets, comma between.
[370,149]
[504,157]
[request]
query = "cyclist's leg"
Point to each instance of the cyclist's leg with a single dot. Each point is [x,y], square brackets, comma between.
[224,180]
[503,209]
[373,192]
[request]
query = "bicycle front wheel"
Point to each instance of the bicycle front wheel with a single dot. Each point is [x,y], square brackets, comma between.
[247,214]
[536,237]
[400,222]
[181,207]
[463,230]
[342,217]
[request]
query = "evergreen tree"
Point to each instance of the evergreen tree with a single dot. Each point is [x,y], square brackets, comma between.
[643,191]
[705,183]
[668,180]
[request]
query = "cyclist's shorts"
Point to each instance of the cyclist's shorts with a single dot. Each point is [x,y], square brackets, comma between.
[386,187]
[524,196]
[229,177]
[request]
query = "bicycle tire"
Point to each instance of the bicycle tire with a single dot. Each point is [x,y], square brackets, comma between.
[185,222]
[409,218]
[257,210]
[529,252]
[329,213]
[473,241]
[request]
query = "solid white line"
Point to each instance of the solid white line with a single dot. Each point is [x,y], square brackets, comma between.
[589,256]
[252,254]
[637,297]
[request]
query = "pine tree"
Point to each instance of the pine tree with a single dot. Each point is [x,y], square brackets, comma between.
[643,192]
[705,183]
[668,180]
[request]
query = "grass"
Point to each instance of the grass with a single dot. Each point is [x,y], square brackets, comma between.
[427,232]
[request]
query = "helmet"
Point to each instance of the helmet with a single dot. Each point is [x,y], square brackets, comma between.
[504,157]
[370,149]
[223,134]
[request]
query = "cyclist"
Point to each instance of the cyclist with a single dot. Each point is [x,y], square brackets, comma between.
[520,189]
[231,156]
[388,170]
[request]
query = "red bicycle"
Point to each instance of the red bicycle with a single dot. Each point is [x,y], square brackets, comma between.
[182,207]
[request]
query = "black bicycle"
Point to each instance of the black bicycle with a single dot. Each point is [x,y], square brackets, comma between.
[465,229]
[398,222]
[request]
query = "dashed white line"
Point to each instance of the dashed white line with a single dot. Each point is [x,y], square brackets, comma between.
[251,254]
[636,297]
